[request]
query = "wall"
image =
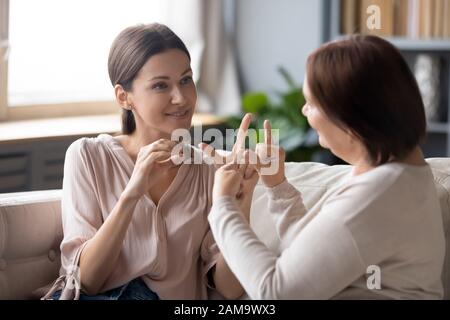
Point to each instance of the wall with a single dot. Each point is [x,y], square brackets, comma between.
[269,33]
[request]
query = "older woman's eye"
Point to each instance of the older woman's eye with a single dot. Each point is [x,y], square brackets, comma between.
[186,80]
[159,86]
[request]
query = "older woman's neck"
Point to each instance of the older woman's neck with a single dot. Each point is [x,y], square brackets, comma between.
[414,158]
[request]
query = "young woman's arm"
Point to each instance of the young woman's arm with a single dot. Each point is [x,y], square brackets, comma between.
[99,256]
[82,215]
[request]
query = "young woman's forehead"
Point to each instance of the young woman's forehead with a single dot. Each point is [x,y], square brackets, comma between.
[169,63]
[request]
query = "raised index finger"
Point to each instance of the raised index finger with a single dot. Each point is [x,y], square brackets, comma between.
[242,133]
[268,137]
[267,132]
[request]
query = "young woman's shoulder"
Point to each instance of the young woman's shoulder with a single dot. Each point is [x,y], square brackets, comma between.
[86,149]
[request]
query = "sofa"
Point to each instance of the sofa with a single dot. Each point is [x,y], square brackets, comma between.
[31,231]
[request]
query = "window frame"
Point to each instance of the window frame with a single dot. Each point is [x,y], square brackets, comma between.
[39,111]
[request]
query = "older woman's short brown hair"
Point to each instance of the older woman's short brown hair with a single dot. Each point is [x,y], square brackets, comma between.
[363,83]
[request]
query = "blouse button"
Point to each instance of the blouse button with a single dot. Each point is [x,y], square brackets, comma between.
[52,255]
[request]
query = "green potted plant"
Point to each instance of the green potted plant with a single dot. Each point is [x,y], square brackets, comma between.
[295,134]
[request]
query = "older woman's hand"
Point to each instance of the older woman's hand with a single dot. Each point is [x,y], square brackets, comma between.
[227,181]
[237,181]
[270,159]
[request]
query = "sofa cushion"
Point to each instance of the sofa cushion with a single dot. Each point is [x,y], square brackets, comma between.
[30,234]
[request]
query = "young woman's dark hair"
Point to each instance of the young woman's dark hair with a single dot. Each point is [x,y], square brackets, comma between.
[363,84]
[130,51]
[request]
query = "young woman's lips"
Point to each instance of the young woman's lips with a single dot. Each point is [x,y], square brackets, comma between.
[178,114]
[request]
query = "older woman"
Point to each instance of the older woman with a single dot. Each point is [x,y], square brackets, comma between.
[366,107]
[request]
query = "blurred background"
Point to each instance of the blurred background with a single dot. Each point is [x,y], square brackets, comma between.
[247,56]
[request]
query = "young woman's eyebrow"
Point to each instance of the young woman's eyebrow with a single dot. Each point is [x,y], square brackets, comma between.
[186,71]
[167,77]
[159,78]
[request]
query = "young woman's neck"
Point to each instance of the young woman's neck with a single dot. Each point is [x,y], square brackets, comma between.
[141,138]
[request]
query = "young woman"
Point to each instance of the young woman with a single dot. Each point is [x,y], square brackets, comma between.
[135,223]
[365,104]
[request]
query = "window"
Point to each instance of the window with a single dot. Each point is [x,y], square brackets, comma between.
[58,51]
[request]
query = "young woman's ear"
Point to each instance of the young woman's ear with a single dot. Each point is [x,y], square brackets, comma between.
[122,97]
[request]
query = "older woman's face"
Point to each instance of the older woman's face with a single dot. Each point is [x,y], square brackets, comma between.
[340,142]
[164,93]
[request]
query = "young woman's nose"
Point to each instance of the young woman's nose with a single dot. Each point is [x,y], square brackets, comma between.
[177,96]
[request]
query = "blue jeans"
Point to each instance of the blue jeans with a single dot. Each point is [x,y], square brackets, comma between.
[134,290]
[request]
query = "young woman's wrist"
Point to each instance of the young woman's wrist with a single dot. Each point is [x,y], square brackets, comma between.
[130,196]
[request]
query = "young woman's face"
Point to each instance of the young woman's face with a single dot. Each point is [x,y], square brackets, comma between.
[163,94]
[331,136]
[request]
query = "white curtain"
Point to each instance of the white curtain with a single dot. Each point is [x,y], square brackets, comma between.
[200,24]
[4,45]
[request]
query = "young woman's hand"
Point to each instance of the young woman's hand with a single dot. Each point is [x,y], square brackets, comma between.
[270,159]
[152,161]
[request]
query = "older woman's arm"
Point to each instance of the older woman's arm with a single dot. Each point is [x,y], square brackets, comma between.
[225,281]
[321,261]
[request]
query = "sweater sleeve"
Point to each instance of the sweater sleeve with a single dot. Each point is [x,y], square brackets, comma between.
[321,261]
[287,209]
[81,214]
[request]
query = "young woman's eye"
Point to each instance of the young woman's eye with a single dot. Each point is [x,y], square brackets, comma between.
[186,80]
[159,86]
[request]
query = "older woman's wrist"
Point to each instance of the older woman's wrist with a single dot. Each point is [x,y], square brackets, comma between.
[221,198]
[273,182]
[282,190]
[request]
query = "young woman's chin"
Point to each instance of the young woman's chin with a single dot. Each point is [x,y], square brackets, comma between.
[182,122]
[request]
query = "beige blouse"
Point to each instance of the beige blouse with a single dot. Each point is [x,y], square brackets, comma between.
[169,245]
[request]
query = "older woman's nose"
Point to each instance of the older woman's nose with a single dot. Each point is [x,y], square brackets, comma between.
[304,110]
